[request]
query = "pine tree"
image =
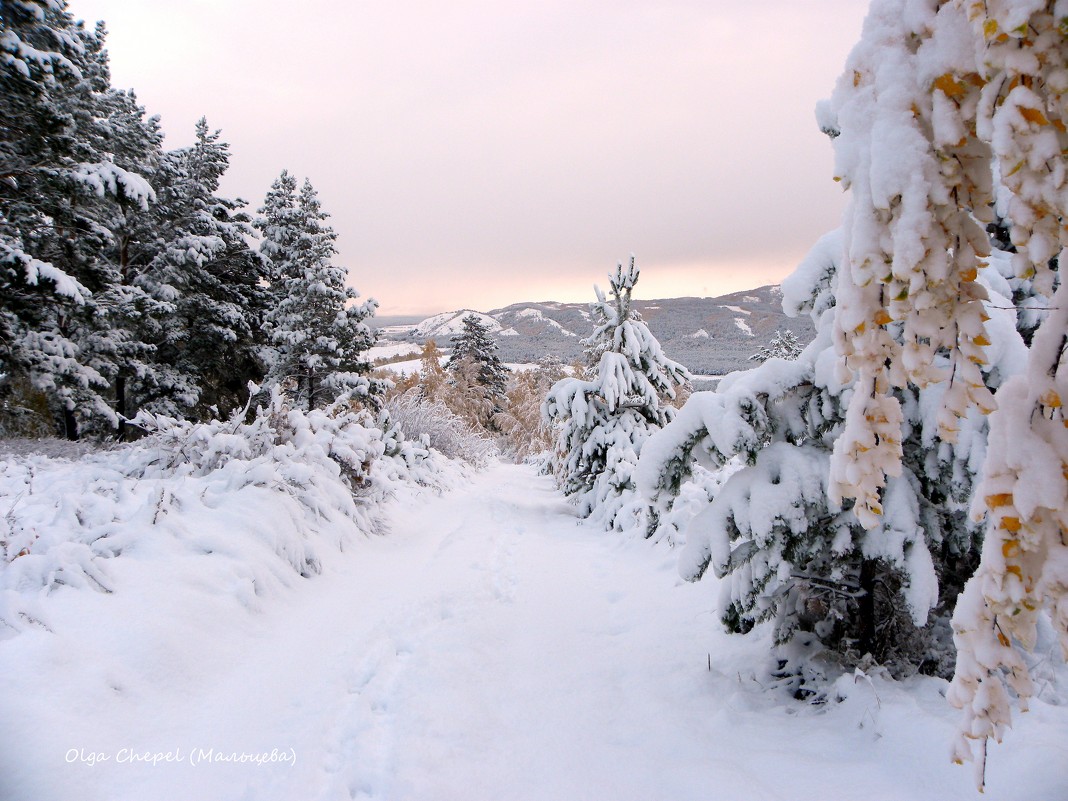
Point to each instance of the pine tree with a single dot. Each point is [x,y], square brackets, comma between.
[602,423]
[783,345]
[792,554]
[206,268]
[60,178]
[475,353]
[317,339]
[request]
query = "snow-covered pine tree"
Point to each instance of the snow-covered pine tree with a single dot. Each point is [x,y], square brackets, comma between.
[59,179]
[789,552]
[475,363]
[317,338]
[932,94]
[783,345]
[118,336]
[602,423]
[205,266]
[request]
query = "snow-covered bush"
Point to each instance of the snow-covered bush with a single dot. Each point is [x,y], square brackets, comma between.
[601,423]
[430,421]
[269,493]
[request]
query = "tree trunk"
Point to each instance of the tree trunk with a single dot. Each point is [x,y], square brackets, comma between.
[866,611]
[70,425]
[120,403]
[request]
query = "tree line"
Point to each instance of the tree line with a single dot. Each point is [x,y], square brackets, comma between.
[127,281]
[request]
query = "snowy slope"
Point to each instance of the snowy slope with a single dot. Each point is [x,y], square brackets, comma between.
[451,323]
[490,647]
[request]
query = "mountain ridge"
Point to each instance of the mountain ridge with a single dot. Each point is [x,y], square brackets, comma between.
[710,335]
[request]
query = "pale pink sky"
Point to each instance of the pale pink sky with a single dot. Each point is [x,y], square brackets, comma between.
[475,153]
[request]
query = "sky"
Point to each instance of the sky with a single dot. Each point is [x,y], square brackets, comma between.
[477,153]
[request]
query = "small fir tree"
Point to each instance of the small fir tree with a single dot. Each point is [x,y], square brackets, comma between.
[783,345]
[475,344]
[602,423]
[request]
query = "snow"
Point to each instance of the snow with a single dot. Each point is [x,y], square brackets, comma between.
[391,351]
[449,324]
[737,309]
[536,314]
[700,333]
[413,366]
[743,325]
[491,646]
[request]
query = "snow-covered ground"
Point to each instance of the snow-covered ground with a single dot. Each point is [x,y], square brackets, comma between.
[413,366]
[392,350]
[489,646]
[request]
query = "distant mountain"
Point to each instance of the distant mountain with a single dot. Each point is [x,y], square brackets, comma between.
[711,336]
[443,326]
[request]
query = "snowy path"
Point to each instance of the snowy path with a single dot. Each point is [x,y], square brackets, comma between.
[493,647]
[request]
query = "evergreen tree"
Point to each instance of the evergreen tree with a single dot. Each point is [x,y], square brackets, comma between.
[60,175]
[204,265]
[475,352]
[790,552]
[602,423]
[316,338]
[783,345]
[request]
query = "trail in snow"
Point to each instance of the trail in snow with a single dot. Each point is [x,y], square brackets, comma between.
[494,647]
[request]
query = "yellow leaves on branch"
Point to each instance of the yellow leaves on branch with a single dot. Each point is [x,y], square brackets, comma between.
[1033,115]
[950,86]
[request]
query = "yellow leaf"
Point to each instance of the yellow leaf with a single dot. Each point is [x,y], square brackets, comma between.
[1010,548]
[1000,499]
[990,27]
[882,317]
[1003,639]
[856,78]
[981,340]
[970,274]
[1033,115]
[950,86]
[1011,524]
[1019,166]
[860,328]
[1051,400]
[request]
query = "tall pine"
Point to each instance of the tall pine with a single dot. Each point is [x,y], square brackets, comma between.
[317,335]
